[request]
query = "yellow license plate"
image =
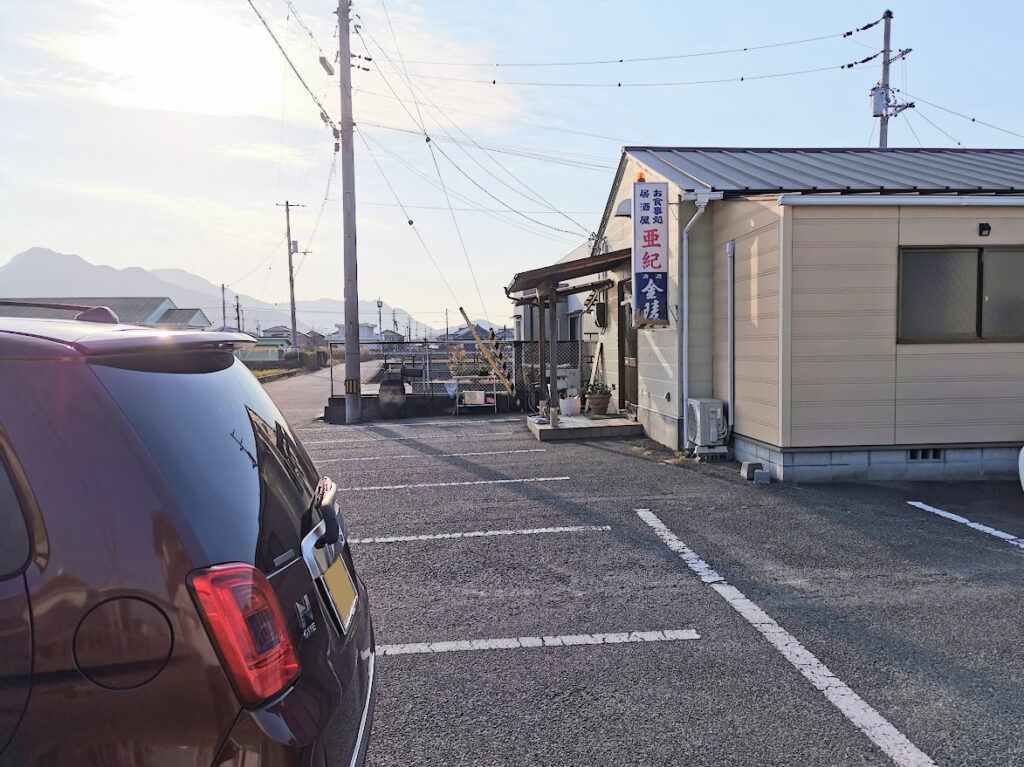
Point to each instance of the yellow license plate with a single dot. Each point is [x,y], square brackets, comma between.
[343,591]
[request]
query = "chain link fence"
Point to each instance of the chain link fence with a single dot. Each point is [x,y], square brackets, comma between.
[439,368]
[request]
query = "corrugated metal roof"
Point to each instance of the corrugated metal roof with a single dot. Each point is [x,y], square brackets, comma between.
[129,310]
[194,317]
[738,172]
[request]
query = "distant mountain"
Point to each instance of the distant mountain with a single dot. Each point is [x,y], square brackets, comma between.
[44,272]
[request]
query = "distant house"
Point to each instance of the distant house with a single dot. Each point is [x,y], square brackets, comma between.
[391,336]
[463,334]
[282,332]
[367,332]
[153,312]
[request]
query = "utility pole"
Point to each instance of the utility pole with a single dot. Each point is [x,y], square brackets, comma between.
[447,332]
[883,126]
[883,106]
[223,308]
[238,315]
[353,395]
[291,274]
[394,320]
[380,322]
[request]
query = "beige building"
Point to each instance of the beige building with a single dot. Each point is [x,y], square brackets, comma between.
[878,313]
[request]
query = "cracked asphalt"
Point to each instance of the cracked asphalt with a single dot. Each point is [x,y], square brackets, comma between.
[920,616]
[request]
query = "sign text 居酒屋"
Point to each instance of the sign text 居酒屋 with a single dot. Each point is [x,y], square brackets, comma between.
[650,254]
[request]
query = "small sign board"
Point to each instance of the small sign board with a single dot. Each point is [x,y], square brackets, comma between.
[650,254]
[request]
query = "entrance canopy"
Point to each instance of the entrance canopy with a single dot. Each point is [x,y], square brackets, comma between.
[567,270]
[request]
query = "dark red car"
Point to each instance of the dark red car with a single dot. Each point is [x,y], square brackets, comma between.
[176,586]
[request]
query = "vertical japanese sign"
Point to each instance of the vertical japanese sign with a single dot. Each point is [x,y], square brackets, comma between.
[650,254]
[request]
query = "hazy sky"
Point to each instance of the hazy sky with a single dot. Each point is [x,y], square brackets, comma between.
[161,134]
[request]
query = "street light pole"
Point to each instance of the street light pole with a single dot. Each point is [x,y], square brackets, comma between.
[353,394]
[380,321]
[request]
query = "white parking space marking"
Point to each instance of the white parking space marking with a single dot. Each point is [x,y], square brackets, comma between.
[456,484]
[516,643]
[882,733]
[1013,540]
[446,438]
[482,534]
[440,455]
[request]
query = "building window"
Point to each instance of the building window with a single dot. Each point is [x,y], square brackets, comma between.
[953,295]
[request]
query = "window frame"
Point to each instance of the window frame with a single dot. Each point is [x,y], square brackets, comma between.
[979,297]
[11,466]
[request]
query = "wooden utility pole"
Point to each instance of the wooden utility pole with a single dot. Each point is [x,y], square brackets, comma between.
[223,308]
[238,315]
[291,273]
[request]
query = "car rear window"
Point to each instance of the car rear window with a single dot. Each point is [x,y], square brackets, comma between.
[243,482]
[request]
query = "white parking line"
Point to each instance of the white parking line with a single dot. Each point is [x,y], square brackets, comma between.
[450,438]
[515,643]
[455,484]
[882,733]
[1013,540]
[439,455]
[482,534]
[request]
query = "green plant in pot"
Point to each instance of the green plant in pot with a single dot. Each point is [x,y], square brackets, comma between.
[598,396]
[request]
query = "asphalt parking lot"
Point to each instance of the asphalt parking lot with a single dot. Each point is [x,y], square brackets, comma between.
[602,603]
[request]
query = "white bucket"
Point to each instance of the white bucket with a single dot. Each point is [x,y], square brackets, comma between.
[569,405]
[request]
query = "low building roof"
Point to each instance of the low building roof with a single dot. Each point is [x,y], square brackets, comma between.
[741,172]
[129,310]
[194,317]
[566,270]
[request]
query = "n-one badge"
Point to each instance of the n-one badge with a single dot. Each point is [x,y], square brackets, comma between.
[650,254]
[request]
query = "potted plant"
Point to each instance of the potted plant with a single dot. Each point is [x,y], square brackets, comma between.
[598,395]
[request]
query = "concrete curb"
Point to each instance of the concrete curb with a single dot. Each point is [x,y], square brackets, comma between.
[282,376]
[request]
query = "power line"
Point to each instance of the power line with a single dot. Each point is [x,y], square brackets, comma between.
[478,210]
[536,196]
[911,126]
[498,216]
[320,213]
[456,165]
[408,218]
[652,58]
[961,114]
[530,153]
[437,169]
[940,130]
[675,83]
[323,112]
[255,268]
[521,121]
[302,23]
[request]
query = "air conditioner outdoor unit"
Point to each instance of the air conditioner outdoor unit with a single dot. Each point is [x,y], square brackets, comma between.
[707,425]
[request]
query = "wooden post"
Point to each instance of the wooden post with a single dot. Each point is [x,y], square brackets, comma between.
[540,346]
[553,361]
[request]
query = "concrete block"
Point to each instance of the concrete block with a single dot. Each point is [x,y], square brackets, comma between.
[963,455]
[888,457]
[1000,454]
[887,472]
[1000,470]
[762,477]
[747,469]
[822,458]
[849,472]
[963,470]
[925,470]
[809,474]
[788,459]
[850,458]
[761,451]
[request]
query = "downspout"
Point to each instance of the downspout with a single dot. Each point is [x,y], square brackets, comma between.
[730,258]
[702,202]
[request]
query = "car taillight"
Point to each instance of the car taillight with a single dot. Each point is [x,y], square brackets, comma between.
[245,622]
